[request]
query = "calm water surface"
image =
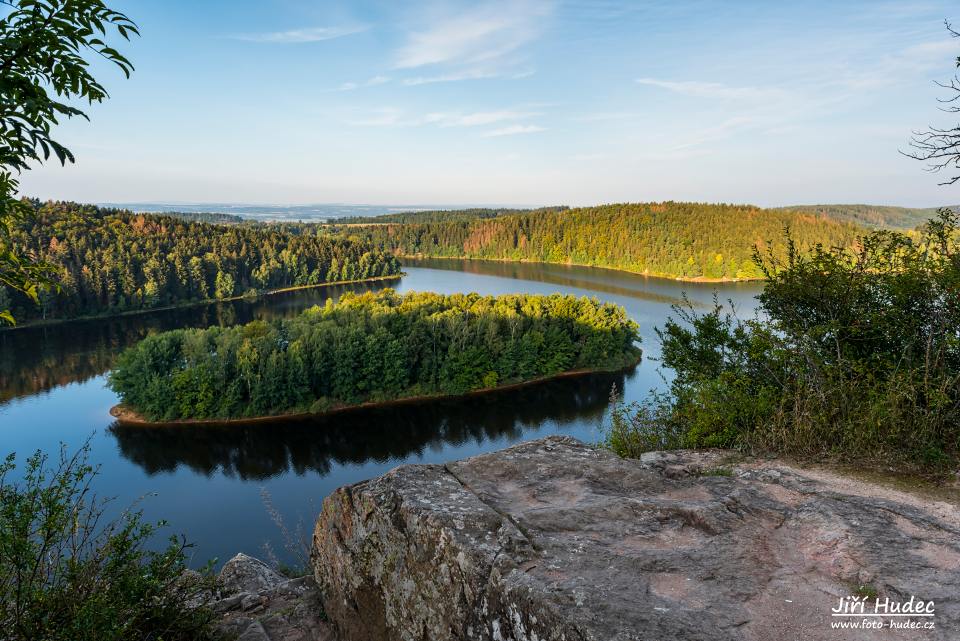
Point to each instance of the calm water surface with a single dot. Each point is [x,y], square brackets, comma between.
[208,481]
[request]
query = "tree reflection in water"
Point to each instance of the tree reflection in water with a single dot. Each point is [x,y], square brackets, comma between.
[262,451]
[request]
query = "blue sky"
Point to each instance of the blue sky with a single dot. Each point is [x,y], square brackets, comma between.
[519,102]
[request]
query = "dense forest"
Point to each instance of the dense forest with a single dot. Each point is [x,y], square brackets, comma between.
[109,261]
[683,240]
[872,216]
[439,215]
[370,347]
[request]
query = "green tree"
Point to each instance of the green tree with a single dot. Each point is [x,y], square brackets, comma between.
[224,286]
[43,74]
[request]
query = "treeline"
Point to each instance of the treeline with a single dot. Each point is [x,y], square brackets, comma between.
[873,216]
[109,260]
[369,347]
[685,240]
[439,215]
[853,356]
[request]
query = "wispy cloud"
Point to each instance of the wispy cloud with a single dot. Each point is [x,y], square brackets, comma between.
[470,74]
[370,82]
[473,74]
[714,90]
[513,130]
[390,116]
[294,36]
[483,42]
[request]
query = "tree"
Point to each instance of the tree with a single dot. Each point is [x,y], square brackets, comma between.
[940,147]
[224,285]
[43,73]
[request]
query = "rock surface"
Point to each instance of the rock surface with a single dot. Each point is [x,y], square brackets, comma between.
[256,603]
[554,540]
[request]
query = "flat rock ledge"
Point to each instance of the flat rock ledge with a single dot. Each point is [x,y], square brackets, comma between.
[554,540]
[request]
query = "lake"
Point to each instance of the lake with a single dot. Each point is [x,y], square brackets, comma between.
[209,482]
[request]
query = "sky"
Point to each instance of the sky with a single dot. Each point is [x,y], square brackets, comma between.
[522,102]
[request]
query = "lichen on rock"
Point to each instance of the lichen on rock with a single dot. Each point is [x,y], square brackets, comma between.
[555,540]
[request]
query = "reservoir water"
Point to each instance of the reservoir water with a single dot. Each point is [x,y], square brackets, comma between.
[209,482]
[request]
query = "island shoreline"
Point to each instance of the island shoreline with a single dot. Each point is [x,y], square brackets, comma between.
[128,416]
[526,261]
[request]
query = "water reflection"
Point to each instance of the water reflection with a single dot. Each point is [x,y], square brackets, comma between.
[658,290]
[262,451]
[36,359]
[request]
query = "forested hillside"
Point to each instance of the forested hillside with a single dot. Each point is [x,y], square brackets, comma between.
[873,216]
[683,240]
[110,261]
[439,215]
[370,347]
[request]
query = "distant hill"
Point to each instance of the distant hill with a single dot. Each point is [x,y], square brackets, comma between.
[202,216]
[693,241]
[439,215]
[872,216]
[111,261]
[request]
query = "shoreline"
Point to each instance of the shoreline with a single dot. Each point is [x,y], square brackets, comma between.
[527,261]
[194,303]
[127,416]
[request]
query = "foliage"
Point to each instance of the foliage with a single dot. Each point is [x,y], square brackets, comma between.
[636,428]
[68,573]
[43,75]
[872,216]
[109,260]
[438,216]
[686,240]
[370,347]
[855,355]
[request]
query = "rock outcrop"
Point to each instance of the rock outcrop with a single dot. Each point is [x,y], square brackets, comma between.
[554,540]
[256,603]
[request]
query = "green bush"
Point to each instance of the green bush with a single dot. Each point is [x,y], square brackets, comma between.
[854,355]
[68,573]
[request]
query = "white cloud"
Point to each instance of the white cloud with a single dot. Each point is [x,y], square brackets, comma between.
[391,117]
[713,89]
[513,130]
[310,34]
[383,117]
[482,42]
[473,74]
[477,119]
[469,74]
[370,82]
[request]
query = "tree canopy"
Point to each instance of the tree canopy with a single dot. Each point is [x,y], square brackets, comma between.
[370,347]
[43,76]
[680,240]
[109,260]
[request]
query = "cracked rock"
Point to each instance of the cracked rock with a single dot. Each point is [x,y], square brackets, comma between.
[554,540]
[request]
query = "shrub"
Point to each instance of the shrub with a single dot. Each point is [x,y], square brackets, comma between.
[68,573]
[854,355]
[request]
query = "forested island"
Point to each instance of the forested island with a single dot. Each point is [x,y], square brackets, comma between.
[370,348]
[692,241]
[109,261]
